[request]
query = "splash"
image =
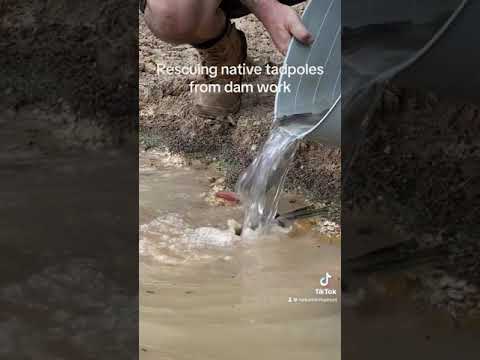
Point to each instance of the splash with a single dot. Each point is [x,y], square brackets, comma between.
[169,239]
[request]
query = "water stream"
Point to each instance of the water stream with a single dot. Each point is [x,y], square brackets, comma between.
[260,186]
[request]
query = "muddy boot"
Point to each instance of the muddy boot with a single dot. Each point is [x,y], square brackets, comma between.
[229,50]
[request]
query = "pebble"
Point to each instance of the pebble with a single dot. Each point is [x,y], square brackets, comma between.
[220,181]
[150,68]
[234,227]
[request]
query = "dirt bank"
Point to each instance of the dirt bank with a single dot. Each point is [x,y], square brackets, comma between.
[166,118]
[64,59]
[416,181]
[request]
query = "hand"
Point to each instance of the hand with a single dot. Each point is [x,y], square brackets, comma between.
[282,22]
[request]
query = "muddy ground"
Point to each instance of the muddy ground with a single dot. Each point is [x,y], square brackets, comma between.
[166,118]
[54,61]
[424,197]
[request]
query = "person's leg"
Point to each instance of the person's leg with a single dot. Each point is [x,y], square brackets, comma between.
[203,24]
[185,21]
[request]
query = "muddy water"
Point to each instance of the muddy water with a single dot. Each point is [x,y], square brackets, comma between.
[207,294]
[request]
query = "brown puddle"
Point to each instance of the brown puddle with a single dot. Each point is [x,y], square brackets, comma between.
[206,293]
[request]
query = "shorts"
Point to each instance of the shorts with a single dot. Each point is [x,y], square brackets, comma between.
[233,8]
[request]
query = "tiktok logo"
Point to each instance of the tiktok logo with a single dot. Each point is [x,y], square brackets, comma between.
[325,280]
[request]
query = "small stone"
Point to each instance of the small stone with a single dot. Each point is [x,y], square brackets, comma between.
[234,227]
[150,68]
[231,121]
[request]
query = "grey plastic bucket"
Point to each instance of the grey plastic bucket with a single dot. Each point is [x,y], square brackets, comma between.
[318,95]
[320,98]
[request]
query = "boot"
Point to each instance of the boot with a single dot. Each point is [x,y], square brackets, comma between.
[230,50]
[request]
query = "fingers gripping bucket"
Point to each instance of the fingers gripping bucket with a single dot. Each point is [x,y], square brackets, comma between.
[316,97]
